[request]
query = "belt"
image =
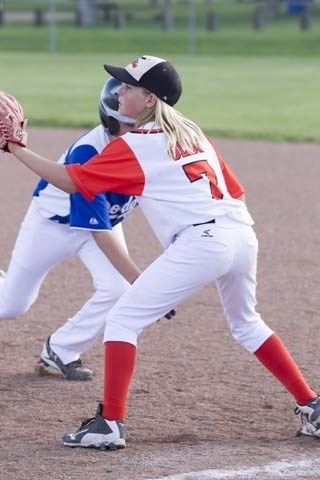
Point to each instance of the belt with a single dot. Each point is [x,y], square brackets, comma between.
[204,223]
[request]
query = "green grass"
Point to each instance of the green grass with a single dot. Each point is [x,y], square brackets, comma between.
[241,97]
[277,39]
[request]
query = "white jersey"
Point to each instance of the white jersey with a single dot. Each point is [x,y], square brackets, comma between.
[173,193]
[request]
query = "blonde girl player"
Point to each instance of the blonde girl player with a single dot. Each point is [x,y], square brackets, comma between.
[175,173]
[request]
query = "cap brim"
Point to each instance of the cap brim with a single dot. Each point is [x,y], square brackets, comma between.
[121,74]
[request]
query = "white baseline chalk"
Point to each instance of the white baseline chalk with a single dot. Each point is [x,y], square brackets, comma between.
[275,470]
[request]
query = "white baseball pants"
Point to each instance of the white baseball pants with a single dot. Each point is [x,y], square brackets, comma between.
[224,252]
[41,244]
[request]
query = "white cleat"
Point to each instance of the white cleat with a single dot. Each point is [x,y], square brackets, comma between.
[310,418]
[98,433]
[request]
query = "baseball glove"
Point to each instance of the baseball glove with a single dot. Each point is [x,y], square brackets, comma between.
[12,122]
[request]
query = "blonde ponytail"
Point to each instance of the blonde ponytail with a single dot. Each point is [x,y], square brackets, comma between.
[178,129]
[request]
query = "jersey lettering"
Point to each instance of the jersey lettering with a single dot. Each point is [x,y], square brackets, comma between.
[117,212]
[181,153]
[196,170]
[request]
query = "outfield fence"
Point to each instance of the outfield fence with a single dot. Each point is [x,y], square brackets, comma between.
[193,17]
[166,14]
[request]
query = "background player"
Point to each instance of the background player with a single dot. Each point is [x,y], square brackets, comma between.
[58,226]
[174,171]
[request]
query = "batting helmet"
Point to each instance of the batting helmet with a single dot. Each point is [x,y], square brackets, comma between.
[109,105]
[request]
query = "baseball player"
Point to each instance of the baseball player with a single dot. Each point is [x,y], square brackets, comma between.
[58,226]
[175,173]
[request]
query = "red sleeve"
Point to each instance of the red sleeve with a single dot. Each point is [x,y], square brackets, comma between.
[115,169]
[233,185]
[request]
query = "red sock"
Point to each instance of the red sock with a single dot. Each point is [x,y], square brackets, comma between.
[119,363]
[276,358]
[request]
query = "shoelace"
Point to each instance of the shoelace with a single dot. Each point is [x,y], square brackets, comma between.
[86,422]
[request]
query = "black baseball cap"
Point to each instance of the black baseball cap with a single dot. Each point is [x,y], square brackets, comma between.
[152,73]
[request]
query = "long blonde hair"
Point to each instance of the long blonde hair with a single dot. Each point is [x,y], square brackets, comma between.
[177,128]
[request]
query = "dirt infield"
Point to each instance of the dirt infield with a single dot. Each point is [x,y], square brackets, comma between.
[198,401]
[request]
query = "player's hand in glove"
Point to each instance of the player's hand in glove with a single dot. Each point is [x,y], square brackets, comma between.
[12,122]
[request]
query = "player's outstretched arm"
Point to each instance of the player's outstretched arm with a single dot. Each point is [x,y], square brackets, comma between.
[53,172]
[117,255]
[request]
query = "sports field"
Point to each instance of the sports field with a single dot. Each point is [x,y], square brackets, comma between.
[200,407]
[270,98]
[198,403]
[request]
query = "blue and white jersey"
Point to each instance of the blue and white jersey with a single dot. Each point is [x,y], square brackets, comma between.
[103,212]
